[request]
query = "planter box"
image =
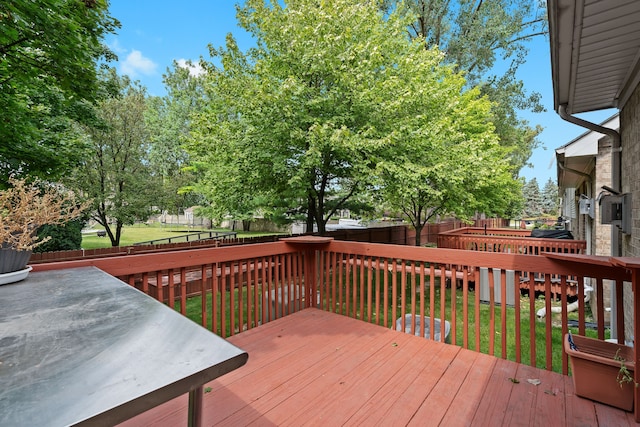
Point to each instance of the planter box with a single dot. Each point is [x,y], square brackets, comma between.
[13,260]
[594,371]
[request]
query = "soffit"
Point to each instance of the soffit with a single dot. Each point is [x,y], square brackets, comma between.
[595,52]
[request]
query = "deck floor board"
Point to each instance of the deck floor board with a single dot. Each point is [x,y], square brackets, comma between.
[317,368]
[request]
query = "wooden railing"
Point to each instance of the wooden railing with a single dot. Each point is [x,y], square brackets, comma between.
[237,288]
[506,240]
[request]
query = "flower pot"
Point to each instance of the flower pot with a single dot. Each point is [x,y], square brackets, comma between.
[13,260]
[595,371]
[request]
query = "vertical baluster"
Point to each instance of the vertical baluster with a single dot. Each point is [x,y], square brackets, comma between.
[341,285]
[369,272]
[414,313]
[145,283]
[432,299]
[619,311]
[394,292]
[403,295]
[362,287]
[183,291]
[159,290]
[386,293]
[565,318]
[600,307]
[465,307]
[503,311]
[476,274]
[548,332]
[492,312]
[516,290]
[347,284]
[278,297]
[532,319]
[422,273]
[355,284]
[581,305]
[203,295]
[238,288]
[172,291]
[378,276]
[454,307]
[224,275]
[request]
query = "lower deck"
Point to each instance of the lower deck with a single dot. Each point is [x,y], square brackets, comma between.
[319,368]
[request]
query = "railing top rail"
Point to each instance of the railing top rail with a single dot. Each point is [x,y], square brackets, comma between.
[590,267]
[142,263]
[557,263]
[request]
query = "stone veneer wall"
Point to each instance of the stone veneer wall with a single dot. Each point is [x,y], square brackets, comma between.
[630,133]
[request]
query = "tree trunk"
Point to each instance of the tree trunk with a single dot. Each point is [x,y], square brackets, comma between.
[322,226]
[311,213]
[418,229]
[246,225]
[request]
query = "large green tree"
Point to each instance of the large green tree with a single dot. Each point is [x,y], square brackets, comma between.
[443,157]
[336,103]
[49,51]
[168,119]
[115,174]
[291,124]
[488,41]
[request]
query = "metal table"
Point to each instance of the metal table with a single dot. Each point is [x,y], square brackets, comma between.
[79,346]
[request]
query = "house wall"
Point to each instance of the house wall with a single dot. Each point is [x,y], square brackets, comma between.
[602,232]
[630,133]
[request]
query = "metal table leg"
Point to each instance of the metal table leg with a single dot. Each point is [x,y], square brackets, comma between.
[195,407]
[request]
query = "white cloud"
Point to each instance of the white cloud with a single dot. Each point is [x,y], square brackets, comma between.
[116,47]
[195,70]
[136,64]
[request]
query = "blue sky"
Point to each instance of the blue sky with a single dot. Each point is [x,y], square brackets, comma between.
[155,33]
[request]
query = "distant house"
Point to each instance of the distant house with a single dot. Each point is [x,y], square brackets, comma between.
[595,63]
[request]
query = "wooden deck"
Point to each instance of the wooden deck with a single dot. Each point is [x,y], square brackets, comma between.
[319,368]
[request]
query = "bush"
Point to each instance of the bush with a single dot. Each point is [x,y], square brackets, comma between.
[64,237]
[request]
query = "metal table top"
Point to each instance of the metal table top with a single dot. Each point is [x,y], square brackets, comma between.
[80,346]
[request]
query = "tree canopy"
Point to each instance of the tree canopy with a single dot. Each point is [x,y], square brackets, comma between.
[167,120]
[328,109]
[49,51]
[487,40]
[115,174]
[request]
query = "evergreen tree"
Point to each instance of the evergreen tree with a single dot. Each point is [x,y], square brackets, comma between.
[533,200]
[550,198]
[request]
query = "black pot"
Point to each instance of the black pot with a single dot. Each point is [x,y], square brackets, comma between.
[13,260]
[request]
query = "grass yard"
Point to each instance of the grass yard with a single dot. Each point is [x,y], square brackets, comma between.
[142,232]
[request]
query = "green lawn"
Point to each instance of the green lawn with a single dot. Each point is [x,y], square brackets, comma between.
[143,232]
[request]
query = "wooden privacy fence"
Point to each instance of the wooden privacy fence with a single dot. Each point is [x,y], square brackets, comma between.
[240,287]
[397,235]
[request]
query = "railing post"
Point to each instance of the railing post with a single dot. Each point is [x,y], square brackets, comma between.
[309,245]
